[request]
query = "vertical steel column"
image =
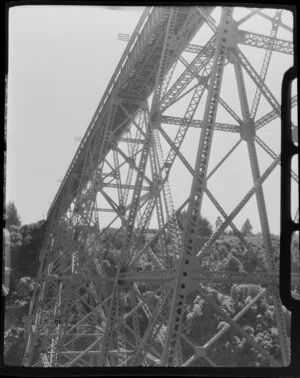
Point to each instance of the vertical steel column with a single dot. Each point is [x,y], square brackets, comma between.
[183,280]
[129,234]
[158,199]
[248,133]
[172,226]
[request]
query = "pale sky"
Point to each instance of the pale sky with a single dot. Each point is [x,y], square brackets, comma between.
[61,59]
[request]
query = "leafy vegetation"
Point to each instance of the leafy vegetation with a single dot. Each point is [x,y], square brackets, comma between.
[25,244]
[200,322]
[11,216]
[247,228]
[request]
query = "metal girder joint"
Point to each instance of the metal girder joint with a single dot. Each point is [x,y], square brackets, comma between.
[122,210]
[155,118]
[247,130]
[109,136]
[155,187]
[118,100]
[99,182]
[173,41]
[131,162]
[199,351]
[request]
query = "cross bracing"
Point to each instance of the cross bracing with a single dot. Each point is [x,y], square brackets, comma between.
[117,271]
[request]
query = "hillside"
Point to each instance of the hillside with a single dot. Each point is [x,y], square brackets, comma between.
[199,321]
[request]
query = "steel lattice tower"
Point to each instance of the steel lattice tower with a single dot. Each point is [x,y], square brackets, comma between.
[85,310]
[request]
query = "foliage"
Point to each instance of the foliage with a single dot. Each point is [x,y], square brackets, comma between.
[25,246]
[14,345]
[12,217]
[200,320]
[204,226]
[202,323]
[16,310]
[218,222]
[247,228]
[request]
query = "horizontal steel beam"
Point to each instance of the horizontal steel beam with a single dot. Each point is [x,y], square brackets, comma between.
[197,274]
[256,278]
[197,123]
[123,186]
[252,39]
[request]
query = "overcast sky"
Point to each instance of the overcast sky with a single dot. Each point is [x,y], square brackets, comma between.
[61,59]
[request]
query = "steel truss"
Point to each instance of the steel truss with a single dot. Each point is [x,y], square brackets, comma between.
[91,309]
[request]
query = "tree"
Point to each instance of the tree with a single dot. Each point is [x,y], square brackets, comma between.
[25,243]
[12,216]
[247,228]
[203,225]
[234,264]
[218,222]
